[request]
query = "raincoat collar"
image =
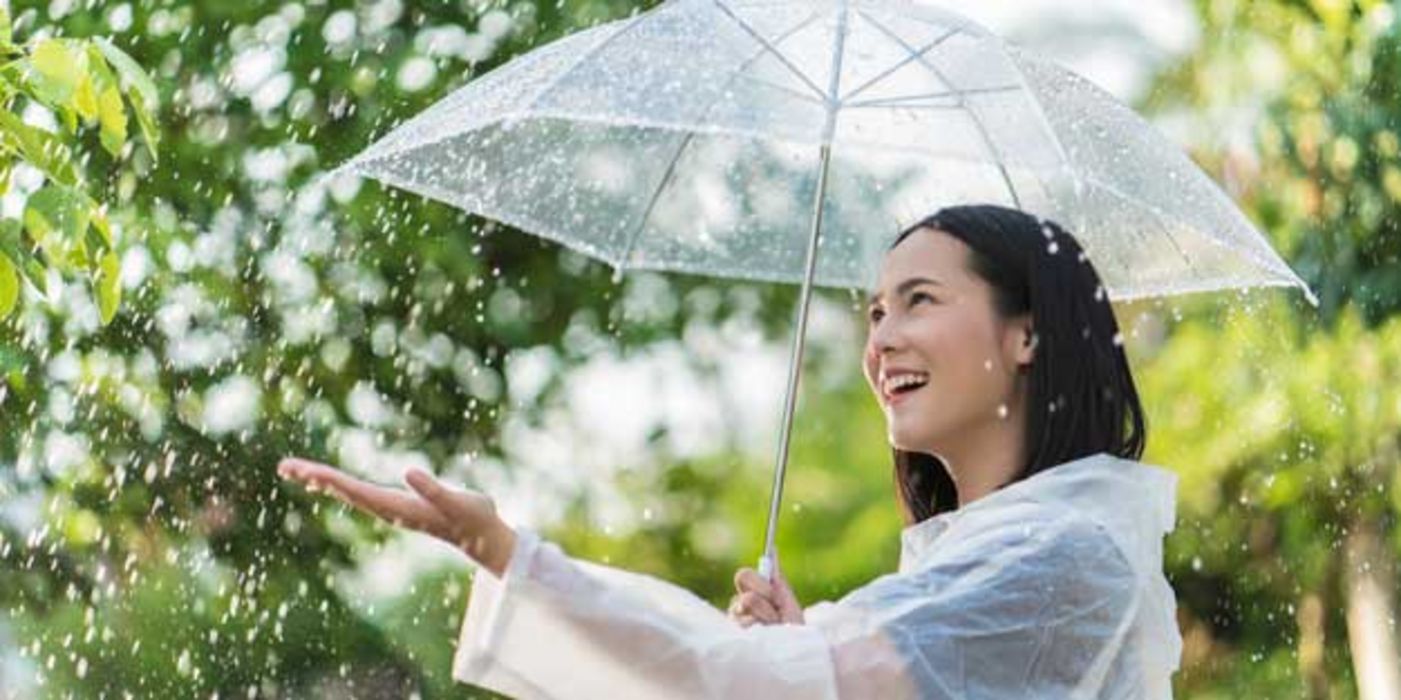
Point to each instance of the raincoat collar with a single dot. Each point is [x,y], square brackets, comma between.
[1135,502]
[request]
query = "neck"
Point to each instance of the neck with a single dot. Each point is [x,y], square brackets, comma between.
[987,458]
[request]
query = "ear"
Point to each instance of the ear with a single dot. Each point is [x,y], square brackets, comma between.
[1020,341]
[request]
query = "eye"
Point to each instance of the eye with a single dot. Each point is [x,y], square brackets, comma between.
[875,314]
[914,298]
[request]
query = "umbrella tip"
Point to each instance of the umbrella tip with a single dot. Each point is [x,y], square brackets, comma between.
[1309,295]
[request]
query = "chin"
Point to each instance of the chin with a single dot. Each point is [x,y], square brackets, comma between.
[907,441]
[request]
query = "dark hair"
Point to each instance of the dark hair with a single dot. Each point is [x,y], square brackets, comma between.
[1081,397]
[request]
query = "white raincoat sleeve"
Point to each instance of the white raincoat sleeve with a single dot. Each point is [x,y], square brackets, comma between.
[1018,610]
[556,627]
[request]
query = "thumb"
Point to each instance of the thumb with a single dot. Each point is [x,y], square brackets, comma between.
[432,490]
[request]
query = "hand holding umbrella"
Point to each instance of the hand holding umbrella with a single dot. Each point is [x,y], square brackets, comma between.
[760,601]
[463,518]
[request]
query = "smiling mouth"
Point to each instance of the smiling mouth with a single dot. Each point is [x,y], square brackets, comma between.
[904,388]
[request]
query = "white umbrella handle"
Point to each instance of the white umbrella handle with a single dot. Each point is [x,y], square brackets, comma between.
[766,567]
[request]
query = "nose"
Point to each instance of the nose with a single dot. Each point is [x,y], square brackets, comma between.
[884,337]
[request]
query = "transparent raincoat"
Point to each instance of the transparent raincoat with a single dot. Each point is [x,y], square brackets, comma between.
[1051,587]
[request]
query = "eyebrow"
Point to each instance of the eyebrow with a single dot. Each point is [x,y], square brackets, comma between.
[903,287]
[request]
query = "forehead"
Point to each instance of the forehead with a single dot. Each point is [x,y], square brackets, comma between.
[925,253]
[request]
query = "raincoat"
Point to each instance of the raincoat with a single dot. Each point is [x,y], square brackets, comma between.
[1050,587]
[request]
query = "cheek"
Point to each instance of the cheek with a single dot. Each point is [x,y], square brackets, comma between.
[870,360]
[954,347]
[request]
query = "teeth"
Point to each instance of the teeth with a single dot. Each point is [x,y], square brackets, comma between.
[905,380]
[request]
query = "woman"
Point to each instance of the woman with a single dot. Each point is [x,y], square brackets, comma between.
[1031,564]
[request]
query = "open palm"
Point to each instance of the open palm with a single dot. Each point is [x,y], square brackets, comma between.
[464,518]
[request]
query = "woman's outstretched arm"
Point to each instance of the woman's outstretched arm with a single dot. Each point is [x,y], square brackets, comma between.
[542,624]
[462,517]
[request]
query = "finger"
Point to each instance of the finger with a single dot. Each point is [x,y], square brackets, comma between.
[780,585]
[445,499]
[315,475]
[395,505]
[789,610]
[298,469]
[736,607]
[753,604]
[747,579]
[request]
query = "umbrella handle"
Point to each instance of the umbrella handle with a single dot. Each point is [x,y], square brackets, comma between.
[766,566]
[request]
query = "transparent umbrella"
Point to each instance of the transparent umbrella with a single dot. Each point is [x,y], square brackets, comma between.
[790,140]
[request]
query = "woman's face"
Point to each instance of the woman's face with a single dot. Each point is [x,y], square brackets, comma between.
[941,362]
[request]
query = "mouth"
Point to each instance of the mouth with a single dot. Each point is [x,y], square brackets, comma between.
[899,388]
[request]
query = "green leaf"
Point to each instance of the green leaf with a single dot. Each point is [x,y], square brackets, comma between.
[141,87]
[56,72]
[111,112]
[37,147]
[130,70]
[13,246]
[57,219]
[13,360]
[69,118]
[9,286]
[109,288]
[85,99]
[6,28]
[103,226]
[112,116]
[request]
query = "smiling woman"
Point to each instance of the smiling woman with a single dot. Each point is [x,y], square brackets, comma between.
[1031,566]
[975,294]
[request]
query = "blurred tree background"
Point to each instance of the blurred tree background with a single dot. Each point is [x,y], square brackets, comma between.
[147,548]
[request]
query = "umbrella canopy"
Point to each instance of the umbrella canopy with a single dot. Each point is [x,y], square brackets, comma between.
[791,140]
[687,138]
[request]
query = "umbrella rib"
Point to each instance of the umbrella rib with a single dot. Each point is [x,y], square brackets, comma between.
[898,100]
[977,121]
[686,141]
[1163,218]
[651,204]
[1070,170]
[796,94]
[766,45]
[580,61]
[901,64]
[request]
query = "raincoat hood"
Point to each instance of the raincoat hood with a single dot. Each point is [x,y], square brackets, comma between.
[1135,503]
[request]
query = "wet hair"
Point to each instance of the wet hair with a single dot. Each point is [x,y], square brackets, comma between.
[1081,397]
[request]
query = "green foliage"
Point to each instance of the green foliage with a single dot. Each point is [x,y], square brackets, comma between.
[65,227]
[1288,443]
[1317,83]
[265,283]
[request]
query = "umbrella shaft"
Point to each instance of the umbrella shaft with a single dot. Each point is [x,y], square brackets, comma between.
[795,362]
